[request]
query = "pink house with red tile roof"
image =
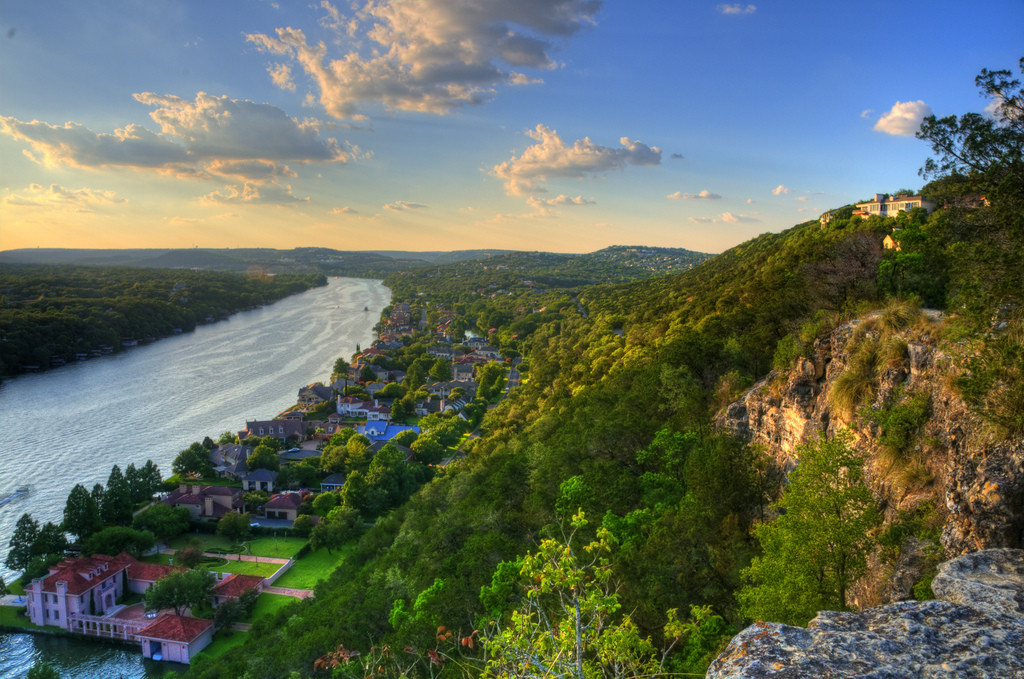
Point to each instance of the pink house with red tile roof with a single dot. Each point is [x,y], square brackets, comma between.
[234,586]
[175,637]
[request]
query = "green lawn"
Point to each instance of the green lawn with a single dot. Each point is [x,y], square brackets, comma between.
[312,568]
[11,616]
[268,604]
[223,641]
[231,566]
[279,548]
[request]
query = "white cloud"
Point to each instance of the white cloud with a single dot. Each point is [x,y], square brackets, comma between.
[750,201]
[402,205]
[802,199]
[57,196]
[430,55]
[543,207]
[780,190]
[551,157]
[725,217]
[703,195]
[735,219]
[208,136]
[281,75]
[904,118]
[866,112]
[737,9]
[343,211]
[253,193]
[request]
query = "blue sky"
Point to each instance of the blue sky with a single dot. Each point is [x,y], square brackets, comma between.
[558,125]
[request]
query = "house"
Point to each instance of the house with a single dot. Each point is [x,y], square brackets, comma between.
[207,502]
[283,506]
[259,479]
[373,387]
[382,431]
[884,206]
[333,482]
[85,587]
[890,243]
[234,585]
[314,394]
[176,638]
[228,460]
[487,352]
[462,372]
[279,429]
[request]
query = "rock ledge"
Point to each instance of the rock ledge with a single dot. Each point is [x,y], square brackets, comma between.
[975,630]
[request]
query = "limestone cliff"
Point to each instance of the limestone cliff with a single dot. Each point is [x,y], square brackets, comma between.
[974,630]
[972,474]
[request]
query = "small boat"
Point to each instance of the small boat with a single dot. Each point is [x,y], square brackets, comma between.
[366,308]
[19,492]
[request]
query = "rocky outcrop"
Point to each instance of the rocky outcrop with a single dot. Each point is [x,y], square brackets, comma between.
[974,476]
[975,630]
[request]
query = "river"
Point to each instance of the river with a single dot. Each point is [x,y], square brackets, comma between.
[72,424]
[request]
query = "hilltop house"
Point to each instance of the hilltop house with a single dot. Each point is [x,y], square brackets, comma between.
[315,393]
[884,206]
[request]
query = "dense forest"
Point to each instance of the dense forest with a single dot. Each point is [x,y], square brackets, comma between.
[53,314]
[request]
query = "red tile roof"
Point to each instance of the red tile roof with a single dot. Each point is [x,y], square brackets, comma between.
[175,628]
[284,501]
[236,585]
[79,574]
[150,572]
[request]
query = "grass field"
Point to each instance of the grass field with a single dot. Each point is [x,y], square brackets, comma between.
[280,548]
[223,641]
[232,566]
[312,568]
[10,616]
[268,604]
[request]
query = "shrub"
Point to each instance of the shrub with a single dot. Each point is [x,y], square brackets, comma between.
[856,384]
[899,314]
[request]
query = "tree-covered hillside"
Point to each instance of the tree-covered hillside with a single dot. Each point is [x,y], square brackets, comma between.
[614,422]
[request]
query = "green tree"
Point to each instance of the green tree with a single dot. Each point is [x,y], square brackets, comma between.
[116,507]
[113,540]
[234,526]
[51,541]
[263,457]
[818,545]
[568,622]
[335,529]
[324,503]
[428,449]
[81,513]
[19,552]
[164,521]
[255,498]
[181,590]
[441,370]
[193,461]
[42,670]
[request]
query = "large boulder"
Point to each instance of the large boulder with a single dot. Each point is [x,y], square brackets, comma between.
[975,630]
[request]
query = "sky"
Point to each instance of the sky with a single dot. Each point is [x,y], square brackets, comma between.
[554,125]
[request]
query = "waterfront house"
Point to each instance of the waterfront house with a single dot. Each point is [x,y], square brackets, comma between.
[234,585]
[314,394]
[279,429]
[176,638]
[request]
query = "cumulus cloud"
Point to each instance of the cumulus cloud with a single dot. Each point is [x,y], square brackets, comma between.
[780,190]
[252,193]
[904,118]
[281,75]
[677,156]
[403,205]
[725,217]
[57,196]
[735,219]
[197,139]
[737,9]
[544,207]
[703,195]
[343,211]
[551,157]
[430,55]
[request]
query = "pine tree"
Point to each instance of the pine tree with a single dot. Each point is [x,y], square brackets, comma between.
[116,507]
[25,533]
[81,513]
